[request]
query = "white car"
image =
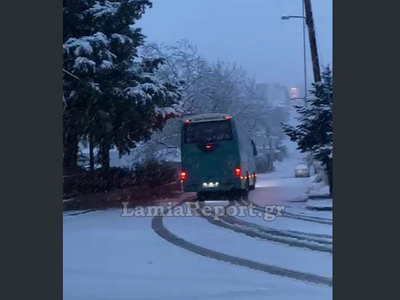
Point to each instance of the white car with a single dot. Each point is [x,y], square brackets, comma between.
[302,170]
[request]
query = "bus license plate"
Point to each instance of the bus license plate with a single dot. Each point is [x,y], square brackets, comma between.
[210,184]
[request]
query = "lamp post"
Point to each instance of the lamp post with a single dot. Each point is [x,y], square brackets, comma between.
[304,50]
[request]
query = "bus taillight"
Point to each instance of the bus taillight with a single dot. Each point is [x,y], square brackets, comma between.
[183,176]
[238,172]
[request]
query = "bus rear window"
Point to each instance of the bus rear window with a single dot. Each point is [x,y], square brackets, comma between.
[206,132]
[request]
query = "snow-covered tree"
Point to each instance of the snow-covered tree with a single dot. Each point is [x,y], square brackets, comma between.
[112,96]
[182,64]
[314,133]
[206,87]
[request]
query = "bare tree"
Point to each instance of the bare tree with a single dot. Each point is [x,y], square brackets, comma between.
[206,87]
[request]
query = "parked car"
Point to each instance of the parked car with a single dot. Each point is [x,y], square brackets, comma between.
[302,170]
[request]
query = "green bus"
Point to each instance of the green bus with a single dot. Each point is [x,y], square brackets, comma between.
[218,156]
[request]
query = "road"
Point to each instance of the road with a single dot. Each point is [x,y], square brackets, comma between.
[107,256]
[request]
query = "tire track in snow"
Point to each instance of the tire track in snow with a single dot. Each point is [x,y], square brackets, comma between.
[290,215]
[299,240]
[293,232]
[159,228]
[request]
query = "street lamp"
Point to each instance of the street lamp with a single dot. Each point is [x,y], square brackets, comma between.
[304,49]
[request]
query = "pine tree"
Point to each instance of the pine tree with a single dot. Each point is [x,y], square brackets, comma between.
[113,97]
[314,134]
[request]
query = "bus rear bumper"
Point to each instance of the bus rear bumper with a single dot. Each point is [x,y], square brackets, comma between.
[221,186]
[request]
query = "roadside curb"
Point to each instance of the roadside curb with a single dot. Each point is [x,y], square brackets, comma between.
[84,212]
[184,198]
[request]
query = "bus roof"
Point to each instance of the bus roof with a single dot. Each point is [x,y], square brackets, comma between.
[208,117]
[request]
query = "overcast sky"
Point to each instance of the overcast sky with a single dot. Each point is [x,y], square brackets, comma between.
[248,32]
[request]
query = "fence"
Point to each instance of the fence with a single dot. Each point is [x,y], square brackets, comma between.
[149,177]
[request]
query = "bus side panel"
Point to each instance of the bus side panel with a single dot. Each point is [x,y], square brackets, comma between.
[246,167]
[246,155]
[241,151]
[243,156]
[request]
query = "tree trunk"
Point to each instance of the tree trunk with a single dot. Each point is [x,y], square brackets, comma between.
[70,149]
[330,177]
[104,153]
[91,154]
[328,168]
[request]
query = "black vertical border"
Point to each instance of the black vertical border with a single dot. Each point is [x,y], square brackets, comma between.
[31,149]
[365,124]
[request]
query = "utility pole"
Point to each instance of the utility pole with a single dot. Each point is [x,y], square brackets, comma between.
[305,58]
[313,41]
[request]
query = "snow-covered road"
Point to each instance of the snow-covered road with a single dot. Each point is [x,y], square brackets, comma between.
[107,256]
[231,243]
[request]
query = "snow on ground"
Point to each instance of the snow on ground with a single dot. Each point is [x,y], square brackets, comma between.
[232,243]
[75,212]
[274,191]
[282,223]
[282,188]
[300,209]
[281,196]
[109,257]
[323,203]
[323,191]
[279,179]
[318,183]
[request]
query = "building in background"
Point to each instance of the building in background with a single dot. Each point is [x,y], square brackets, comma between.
[274,101]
